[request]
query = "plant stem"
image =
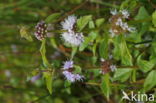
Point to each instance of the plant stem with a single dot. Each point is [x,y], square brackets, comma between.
[138,43]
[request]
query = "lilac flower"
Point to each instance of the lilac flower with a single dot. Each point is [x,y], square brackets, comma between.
[113,12]
[7,73]
[125,13]
[73,38]
[68,24]
[112,32]
[72,77]
[70,36]
[68,65]
[119,22]
[36,77]
[113,68]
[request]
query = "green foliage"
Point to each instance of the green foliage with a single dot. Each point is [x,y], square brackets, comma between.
[25,34]
[83,21]
[90,38]
[154,18]
[105,85]
[35,69]
[145,65]
[121,51]
[53,17]
[150,80]
[49,80]
[43,53]
[103,47]
[122,74]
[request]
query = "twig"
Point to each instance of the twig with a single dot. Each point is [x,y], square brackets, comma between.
[143,42]
[105,3]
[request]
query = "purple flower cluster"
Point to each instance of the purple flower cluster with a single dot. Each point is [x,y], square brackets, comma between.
[41,30]
[67,65]
[68,74]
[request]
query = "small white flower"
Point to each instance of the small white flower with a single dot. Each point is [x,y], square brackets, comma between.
[68,24]
[101,72]
[131,29]
[124,26]
[112,32]
[73,38]
[113,12]
[119,22]
[125,13]
[102,59]
[113,68]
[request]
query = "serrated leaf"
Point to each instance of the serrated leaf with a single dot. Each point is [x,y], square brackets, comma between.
[154,18]
[83,21]
[150,81]
[91,37]
[142,14]
[99,22]
[122,74]
[103,48]
[43,53]
[121,50]
[105,85]
[145,65]
[91,25]
[24,33]
[49,78]
[53,17]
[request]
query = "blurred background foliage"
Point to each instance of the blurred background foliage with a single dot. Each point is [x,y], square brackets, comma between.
[19,57]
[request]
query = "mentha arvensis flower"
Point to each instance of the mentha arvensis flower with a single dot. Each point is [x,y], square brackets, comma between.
[41,30]
[68,65]
[73,38]
[125,14]
[70,36]
[113,12]
[68,24]
[119,24]
[72,77]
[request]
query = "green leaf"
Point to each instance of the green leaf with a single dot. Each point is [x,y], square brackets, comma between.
[142,14]
[103,48]
[154,18]
[49,79]
[122,74]
[99,22]
[145,65]
[121,50]
[83,21]
[53,17]
[77,69]
[24,33]
[91,25]
[43,53]
[150,81]
[91,37]
[105,85]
